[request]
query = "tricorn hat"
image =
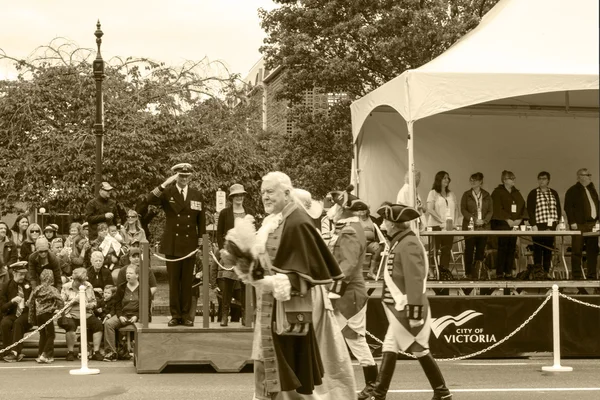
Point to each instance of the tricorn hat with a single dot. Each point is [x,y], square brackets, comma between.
[358,205]
[343,198]
[398,213]
[183,169]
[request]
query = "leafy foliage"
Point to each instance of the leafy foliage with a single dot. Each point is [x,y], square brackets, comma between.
[354,46]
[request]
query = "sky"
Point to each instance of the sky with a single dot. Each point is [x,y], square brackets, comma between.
[164,30]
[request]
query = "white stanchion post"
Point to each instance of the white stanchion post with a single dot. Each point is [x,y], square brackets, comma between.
[556,335]
[84,370]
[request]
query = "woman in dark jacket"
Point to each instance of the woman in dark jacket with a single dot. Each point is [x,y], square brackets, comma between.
[543,207]
[33,232]
[8,252]
[476,205]
[227,280]
[509,212]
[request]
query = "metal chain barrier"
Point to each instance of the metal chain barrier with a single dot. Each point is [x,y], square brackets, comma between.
[56,316]
[480,351]
[578,301]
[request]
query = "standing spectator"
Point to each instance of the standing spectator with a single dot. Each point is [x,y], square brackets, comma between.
[71,320]
[146,214]
[509,211]
[403,197]
[51,232]
[8,252]
[476,204]
[85,230]
[185,225]
[98,275]
[544,210]
[81,251]
[13,304]
[43,259]
[33,232]
[581,207]
[101,209]
[19,233]
[127,308]
[227,279]
[132,229]
[45,301]
[443,215]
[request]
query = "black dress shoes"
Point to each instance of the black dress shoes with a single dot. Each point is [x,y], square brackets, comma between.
[188,323]
[173,322]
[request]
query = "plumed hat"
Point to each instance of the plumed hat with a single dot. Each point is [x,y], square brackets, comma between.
[398,213]
[343,198]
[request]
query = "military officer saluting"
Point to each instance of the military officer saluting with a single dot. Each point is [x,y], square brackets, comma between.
[184,227]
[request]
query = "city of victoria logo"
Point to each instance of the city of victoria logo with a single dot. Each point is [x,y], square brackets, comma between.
[461,335]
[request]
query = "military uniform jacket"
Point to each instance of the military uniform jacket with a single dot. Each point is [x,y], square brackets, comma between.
[408,271]
[349,250]
[185,220]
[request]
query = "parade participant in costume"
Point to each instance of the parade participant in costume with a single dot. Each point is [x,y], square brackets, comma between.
[338,379]
[283,260]
[349,296]
[405,303]
[185,225]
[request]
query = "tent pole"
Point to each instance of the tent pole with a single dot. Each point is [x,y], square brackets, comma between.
[412,192]
[354,179]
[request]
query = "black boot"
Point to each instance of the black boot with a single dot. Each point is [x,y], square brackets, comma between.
[386,372]
[370,373]
[436,380]
[224,315]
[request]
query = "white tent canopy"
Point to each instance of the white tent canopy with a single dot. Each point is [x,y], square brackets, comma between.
[519,92]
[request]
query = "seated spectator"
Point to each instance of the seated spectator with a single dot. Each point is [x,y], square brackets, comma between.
[81,251]
[51,232]
[127,306]
[105,307]
[74,230]
[134,257]
[132,229]
[85,230]
[28,246]
[106,243]
[71,319]
[13,304]
[8,252]
[19,232]
[113,231]
[43,259]
[64,262]
[44,303]
[98,275]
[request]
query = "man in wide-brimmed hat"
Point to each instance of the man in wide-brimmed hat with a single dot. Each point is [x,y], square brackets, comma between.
[405,303]
[184,227]
[349,296]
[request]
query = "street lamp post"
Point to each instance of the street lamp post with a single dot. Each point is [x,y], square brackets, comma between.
[98,68]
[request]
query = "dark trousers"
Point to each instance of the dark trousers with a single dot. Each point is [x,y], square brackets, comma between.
[46,344]
[443,244]
[591,252]
[13,329]
[474,245]
[507,246]
[228,290]
[181,275]
[542,248]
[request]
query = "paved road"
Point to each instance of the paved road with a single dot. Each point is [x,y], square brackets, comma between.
[469,380]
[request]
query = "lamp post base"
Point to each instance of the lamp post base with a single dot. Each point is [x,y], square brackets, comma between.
[84,371]
[557,368]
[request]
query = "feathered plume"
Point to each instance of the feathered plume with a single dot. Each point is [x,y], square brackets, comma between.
[238,249]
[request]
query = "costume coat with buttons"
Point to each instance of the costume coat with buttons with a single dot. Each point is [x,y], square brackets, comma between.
[185,219]
[406,271]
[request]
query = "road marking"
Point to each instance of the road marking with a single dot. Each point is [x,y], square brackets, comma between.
[502,390]
[108,365]
[494,364]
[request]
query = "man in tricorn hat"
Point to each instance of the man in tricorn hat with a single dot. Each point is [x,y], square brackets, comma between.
[405,303]
[349,295]
[185,225]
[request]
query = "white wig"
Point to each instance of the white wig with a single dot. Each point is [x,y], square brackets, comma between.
[282,180]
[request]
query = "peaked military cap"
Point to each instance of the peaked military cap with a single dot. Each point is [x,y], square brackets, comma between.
[183,168]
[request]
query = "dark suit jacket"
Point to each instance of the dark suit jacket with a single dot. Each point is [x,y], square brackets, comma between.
[185,220]
[226,222]
[577,205]
[8,291]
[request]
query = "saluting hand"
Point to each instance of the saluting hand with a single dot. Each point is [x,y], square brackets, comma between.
[169,180]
